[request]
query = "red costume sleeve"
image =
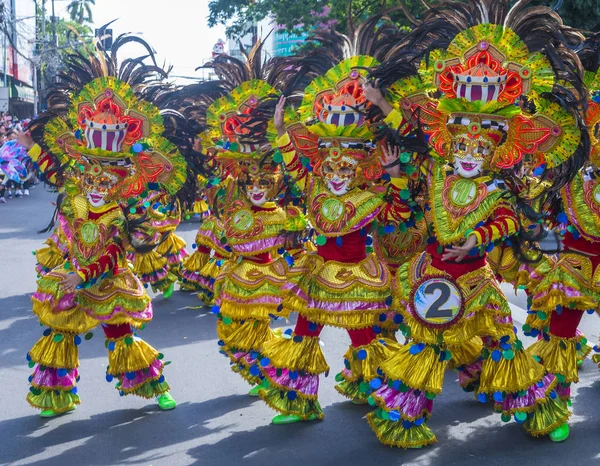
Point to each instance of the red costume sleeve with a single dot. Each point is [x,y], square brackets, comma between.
[502,223]
[107,262]
[45,163]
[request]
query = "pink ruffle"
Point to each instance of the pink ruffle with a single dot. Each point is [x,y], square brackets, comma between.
[251,247]
[141,376]
[469,373]
[410,404]
[269,300]
[347,306]
[177,258]
[64,303]
[306,384]
[50,379]
[562,288]
[146,314]
[514,401]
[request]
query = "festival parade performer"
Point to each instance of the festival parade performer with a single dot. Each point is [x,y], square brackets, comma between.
[464,96]
[572,285]
[161,267]
[104,142]
[333,158]
[253,225]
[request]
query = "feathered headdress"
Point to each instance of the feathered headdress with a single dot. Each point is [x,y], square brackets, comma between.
[227,107]
[99,122]
[478,59]
[334,109]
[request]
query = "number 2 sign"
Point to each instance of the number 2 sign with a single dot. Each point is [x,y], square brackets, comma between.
[436,302]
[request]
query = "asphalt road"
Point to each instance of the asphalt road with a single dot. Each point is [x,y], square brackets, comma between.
[216,423]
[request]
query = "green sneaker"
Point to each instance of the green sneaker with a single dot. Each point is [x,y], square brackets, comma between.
[579,363]
[560,434]
[282,419]
[169,291]
[166,402]
[254,390]
[48,413]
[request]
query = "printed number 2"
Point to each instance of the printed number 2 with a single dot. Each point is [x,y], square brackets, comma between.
[434,310]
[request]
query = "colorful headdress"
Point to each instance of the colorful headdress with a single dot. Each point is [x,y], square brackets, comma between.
[243,143]
[99,124]
[470,88]
[334,109]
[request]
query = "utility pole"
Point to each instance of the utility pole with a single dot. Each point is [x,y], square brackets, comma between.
[54,38]
[4,37]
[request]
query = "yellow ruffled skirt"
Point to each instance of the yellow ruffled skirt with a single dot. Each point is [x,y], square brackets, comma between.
[413,377]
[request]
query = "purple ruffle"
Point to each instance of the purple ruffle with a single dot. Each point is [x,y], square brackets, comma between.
[535,392]
[269,300]
[141,376]
[306,384]
[568,291]
[251,247]
[564,391]
[177,258]
[145,314]
[410,403]
[469,372]
[50,379]
[64,303]
[347,306]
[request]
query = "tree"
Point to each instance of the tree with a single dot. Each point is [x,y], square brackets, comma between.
[80,11]
[300,16]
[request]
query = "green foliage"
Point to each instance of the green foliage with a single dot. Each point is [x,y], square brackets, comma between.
[582,14]
[80,11]
[300,16]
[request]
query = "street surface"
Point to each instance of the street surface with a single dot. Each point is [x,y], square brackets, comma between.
[216,423]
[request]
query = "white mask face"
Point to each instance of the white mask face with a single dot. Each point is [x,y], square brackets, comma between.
[257,195]
[466,166]
[338,186]
[338,175]
[96,198]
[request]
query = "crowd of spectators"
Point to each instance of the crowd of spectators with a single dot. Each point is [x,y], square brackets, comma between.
[10,127]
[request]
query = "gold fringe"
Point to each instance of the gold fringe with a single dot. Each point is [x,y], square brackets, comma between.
[394,435]
[250,336]
[465,354]
[130,356]
[547,417]
[423,371]
[58,355]
[69,321]
[363,371]
[149,263]
[378,351]
[510,376]
[49,256]
[559,356]
[225,330]
[305,355]
[195,261]
[148,389]
[171,245]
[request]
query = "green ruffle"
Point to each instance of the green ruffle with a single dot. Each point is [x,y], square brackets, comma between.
[277,399]
[57,400]
[393,434]
[547,417]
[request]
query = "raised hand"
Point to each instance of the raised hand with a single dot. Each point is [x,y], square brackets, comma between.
[389,160]
[458,253]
